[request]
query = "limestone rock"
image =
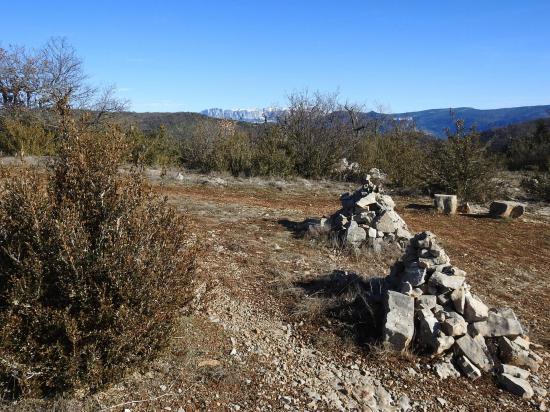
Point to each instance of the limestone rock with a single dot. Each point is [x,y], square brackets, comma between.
[498,325]
[442,344]
[366,201]
[468,368]
[399,322]
[513,371]
[515,354]
[426,301]
[454,326]
[517,386]
[386,222]
[458,296]
[474,309]
[414,274]
[428,328]
[446,370]
[504,208]
[445,281]
[472,349]
[355,234]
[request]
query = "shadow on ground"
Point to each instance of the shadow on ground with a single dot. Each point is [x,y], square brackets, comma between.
[354,301]
[298,228]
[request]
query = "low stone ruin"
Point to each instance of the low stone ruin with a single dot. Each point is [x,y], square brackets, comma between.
[367,218]
[430,305]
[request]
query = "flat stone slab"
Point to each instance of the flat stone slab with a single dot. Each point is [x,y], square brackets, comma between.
[471,349]
[517,386]
[497,325]
[399,323]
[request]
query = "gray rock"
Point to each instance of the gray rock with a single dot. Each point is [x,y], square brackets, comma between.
[385,201]
[428,328]
[515,354]
[517,386]
[372,232]
[399,322]
[441,280]
[387,221]
[454,326]
[458,297]
[446,203]
[446,370]
[426,301]
[505,208]
[443,344]
[366,201]
[355,235]
[513,371]
[402,233]
[474,351]
[468,368]
[404,403]
[444,299]
[497,325]
[474,309]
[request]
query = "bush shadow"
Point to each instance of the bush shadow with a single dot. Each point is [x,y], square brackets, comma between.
[356,302]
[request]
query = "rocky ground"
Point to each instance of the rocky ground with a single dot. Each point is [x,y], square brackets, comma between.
[275,325]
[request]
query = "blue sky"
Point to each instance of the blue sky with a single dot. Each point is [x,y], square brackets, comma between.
[402,55]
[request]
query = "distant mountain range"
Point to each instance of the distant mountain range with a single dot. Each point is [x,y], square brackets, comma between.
[245,115]
[433,121]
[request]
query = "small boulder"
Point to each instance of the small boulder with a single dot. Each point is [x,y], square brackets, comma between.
[474,309]
[454,326]
[446,370]
[473,350]
[497,325]
[516,386]
[513,371]
[426,301]
[442,280]
[399,322]
[355,234]
[458,296]
[468,368]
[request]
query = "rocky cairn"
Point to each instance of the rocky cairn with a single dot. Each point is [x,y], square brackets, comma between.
[429,305]
[367,218]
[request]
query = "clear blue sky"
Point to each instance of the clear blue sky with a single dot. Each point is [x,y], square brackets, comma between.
[405,55]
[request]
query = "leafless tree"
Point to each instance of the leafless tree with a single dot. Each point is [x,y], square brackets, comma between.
[51,77]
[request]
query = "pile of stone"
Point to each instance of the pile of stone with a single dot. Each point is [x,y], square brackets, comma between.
[367,218]
[430,305]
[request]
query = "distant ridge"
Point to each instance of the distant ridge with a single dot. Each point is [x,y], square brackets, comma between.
[432,121]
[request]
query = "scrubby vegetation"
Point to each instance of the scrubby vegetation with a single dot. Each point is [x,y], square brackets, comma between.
[93,268]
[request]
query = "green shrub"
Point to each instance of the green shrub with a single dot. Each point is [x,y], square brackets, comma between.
[237,154]
[24,135]
[462,166]
[93,269]
[531,151]
[271,155]
[538,186]
[202,150]
[153,149]
[399,155]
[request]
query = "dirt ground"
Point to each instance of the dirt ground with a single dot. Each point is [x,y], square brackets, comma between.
[257,338]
